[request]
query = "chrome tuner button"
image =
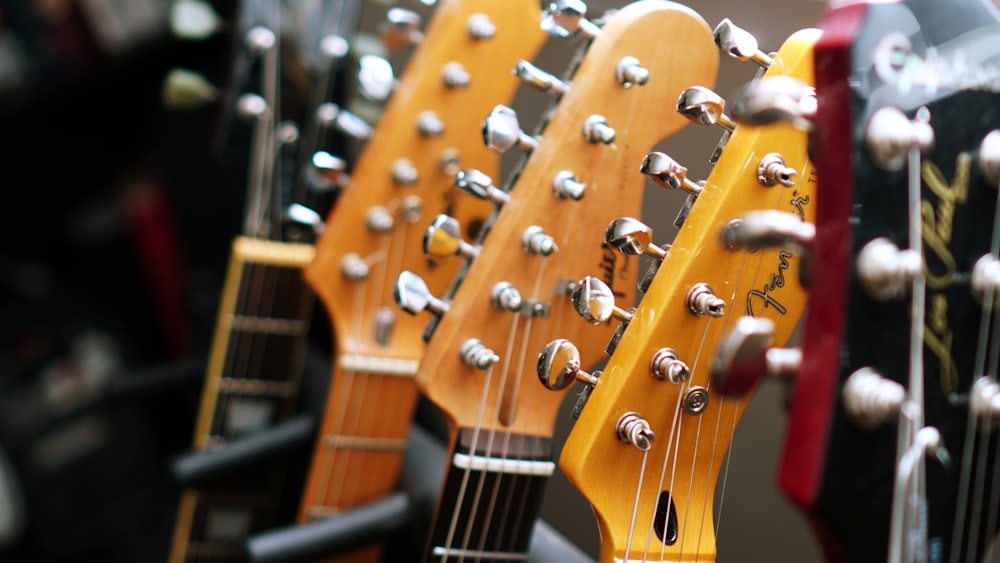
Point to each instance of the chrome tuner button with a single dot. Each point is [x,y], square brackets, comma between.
[885,272]
[633,237]
[327,172]
[480,185]
[480,26]
[629,73]
[890,136]
[251,107]
[501,131]
[413,296]
[260,40]
[771,171]
[595,302]
[667,172]
[379,220]
[333,47]
[539,79]
[505,297]
[376,79]
[567,17]
[559,366]
[443,239]
[429,124]
[404,172]
[989,159]
[185,89]
[768,229]
[984,401]
[739,44]
[193,20]
[411,209]
[331,115]
[704,107]
[986,281]
[745,356]
[454,75]
[666,366]
[702,301]
[536,241]
[299,214]
[776,99]
[354,267]
[870,399]
[401,29]
[634,430]
[596,130]
[477,355]
[566,186]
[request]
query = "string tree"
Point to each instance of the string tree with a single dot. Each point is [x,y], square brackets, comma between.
[564,18]
[740,44]
[668,173]
[480,185]
[559,366]
[746,355]
[443,239]
[632,237]
[705,107]
[502,132]
[539,79]
[413,296]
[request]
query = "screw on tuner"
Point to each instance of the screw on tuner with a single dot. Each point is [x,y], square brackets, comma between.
[633,237]
[568,17]
[443,238]
[502,132]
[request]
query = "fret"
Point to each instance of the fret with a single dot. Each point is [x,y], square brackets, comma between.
[365,443]
[268,325]
[283,389]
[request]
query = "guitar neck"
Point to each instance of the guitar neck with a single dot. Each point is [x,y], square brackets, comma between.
[252,383]
[491,497]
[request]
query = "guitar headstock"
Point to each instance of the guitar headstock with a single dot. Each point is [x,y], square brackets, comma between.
[896,338]
[651,441]
[549,233]
[456,74]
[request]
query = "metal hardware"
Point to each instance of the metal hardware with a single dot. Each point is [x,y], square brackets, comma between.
[480,26]
[566,186]
[413,296]
[771,171]
[480,185]
[333,47]
[251,107]
[412,208]
[353,267]
[567,17]
[667,172]
[633,429]
[379,219]
[332,115]
[260,40]
[695,400]
[539,79]
[739,44]
[704,107]
[401,28]
[596,130]
[775,99]
[666,366]
[385,321]
[595,302]
[986,281]
[505,297]
[451,160]
[870,399]
[885,272]
[702,301]
[633,237]
[429,124]
[984,401]
[303,216]
[629,73]
[745,356]
[443,238]
[536,241]
[501,131]
[329,170]
[454,75]
[989,159]
[404,173]
[477,355]
[890,136]
[559,366]
[376,79]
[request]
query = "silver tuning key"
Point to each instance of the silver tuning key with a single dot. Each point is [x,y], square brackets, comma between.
[633,237]
[559,366]
[413,296]
[595,302]
[667,172]
[332,115]
[480,185]
[568,17]
[376,79]
[566,186]
[597,131]
[985,281]
[989,159]
[535,240]
[401,29]
[629,73]
[193,20]
[502,132]
[871,399]
[443,238]
[704,107]
[745,356]
[891,136]
[984,401]
[776,99]
[770,229]
[740,44]
[884,271]
[539,79]
[477,355]
[326,172]
[302,216]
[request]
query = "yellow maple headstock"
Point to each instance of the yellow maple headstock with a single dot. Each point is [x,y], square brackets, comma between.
[421,187]
[641,115]
[689,450]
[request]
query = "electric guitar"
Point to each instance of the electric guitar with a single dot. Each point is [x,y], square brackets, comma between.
[651,441]
[256,359]
[517,293]
[891,445]
[427,133]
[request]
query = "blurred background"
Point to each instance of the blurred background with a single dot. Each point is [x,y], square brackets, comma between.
[119,215]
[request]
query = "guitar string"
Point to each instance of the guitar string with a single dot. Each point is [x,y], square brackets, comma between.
[974,421]
[674,432]
[917,316]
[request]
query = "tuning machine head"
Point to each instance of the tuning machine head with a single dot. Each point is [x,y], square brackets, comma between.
[539,79]
[443,238]
[502,132]
[193,20]
[745,356]
[185,89]
[559,366]
[775,99]
[401,29]
[632,236]
[667,172]
[770,229]
[703,106]
[567,17]
[331,115]
[595,302]
[413,296]
[300,215]
[326,172]
[480,185]
[740,44]
[891,136]
[376,79]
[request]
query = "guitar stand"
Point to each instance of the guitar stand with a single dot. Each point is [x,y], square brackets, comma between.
[195,468]
[415,502]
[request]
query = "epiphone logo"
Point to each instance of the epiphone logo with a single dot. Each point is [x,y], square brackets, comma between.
[763,297]
[937,225]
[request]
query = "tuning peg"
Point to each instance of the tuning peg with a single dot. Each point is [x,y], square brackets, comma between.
[704,107]
[401,29]
[595,302]
[596,130]
[260,40]
[376,79]
[740,44]
[668,173]
[193,20]
[632,236]
[871,399]
[481,186]
[775,99]
[251,107]
[480,26]
[413,296]
[303,216]
[443,238]
[891,136]
[566,17]
[477,355]
[454,75]
[326,172]
[884,271]
[745,356]
[559,366]
[989,159]
[536,241]
[331,115]
[185,89]
[629,73]
[566,186]
[502,132]
[984,401]
[539,79]
[769,229]
[985,281]
[333,47]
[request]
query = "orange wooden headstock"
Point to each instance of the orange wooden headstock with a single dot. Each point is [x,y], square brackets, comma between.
[658,502]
